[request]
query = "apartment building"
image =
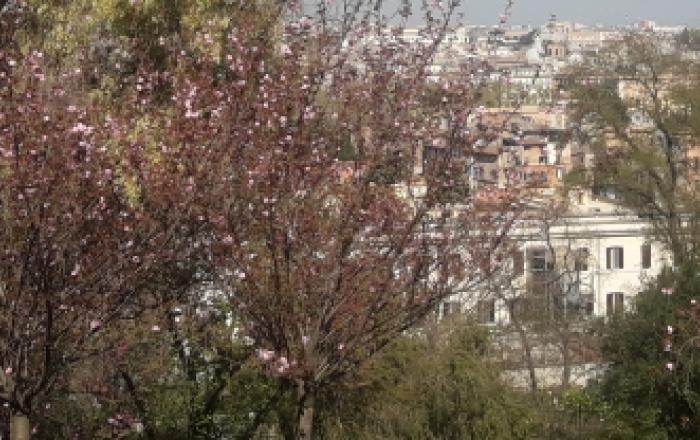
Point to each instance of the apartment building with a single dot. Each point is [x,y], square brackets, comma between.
[591,260]
[565,271]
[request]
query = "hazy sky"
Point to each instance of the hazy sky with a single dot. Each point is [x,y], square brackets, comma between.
[586,11]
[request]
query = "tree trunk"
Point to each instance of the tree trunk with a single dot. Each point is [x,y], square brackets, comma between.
[527,349]
[306,398]
[566,361]
[529,361]
[19,427]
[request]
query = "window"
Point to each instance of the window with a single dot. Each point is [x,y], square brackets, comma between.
[614,257]
[450,308]
[486,310]
[518,308]
[587,302]
[615,303]
[518,263]
[581,262]
[538,260]
[646,256]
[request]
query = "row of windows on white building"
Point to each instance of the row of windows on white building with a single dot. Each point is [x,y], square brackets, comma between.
[604,287]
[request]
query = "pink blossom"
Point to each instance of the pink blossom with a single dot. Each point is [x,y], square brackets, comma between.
[94,324]
[305,22]
[283,365]
[265,355]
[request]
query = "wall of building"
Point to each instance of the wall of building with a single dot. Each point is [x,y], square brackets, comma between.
[596,227]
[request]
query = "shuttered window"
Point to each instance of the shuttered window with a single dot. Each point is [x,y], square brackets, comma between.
[615,303]
[646,256]
[615,258]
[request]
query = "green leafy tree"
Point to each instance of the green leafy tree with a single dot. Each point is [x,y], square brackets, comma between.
[636,108]
[438,386]
[653,377]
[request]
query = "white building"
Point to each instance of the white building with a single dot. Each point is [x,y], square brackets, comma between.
[595,258]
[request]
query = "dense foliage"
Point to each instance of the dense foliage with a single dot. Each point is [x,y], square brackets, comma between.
[435,387]
[654,375]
